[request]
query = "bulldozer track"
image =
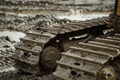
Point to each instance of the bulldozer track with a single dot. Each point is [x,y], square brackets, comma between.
[37,42]
[91,60]
[44,49]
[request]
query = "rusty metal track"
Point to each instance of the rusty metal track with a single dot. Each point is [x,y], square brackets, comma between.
[32,46]
[90,58]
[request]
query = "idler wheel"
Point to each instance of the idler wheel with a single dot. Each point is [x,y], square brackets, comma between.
[49,56]
[107,73]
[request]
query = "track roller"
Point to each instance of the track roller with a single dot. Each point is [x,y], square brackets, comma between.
[49,56]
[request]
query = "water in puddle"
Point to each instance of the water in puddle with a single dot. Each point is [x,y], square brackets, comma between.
[14,36]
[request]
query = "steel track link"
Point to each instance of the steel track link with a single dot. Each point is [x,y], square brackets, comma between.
[39,50]
[98,59]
